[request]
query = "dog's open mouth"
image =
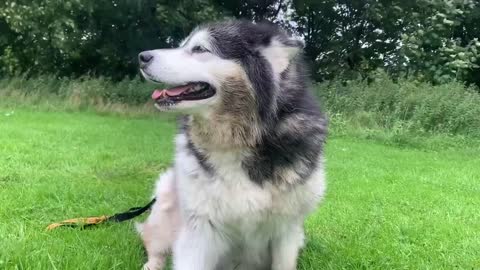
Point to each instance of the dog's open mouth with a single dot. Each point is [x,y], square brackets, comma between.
[190,91]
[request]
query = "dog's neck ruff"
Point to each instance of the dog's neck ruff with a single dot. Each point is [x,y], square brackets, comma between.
[224,132]
[234,123]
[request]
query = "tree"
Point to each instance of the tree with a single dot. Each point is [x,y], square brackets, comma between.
[441,43]
[432,40]
[256,10]
[74,37]
[350,38]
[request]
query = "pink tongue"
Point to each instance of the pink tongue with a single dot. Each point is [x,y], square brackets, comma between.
[172,92]
[158,94]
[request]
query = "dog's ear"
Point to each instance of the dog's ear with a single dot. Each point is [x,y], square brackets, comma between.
[279,54]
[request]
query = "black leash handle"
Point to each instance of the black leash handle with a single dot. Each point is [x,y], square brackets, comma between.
[131,213]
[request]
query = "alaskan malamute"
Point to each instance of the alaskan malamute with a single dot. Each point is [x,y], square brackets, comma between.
[249,156]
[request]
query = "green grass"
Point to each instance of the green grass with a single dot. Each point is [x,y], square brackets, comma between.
[387,207]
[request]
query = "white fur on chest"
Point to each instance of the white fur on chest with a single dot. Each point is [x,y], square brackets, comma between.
[230,198]
[225,196]
[245,215]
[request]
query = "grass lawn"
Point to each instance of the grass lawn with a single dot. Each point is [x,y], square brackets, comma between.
[387,207]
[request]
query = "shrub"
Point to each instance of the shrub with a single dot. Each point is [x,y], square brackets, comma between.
[415,106]
[85,90]
[397,106]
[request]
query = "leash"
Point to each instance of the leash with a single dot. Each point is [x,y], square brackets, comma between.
[89,221]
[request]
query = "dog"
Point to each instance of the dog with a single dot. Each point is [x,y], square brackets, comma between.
[249,163]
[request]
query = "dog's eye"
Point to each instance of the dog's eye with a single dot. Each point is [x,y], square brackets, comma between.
[199,49]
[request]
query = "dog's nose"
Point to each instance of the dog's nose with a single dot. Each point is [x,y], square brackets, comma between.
[145,58]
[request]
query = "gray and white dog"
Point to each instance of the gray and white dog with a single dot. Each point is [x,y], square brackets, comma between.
[248,161]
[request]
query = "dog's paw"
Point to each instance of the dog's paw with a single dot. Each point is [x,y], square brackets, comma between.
[151,265]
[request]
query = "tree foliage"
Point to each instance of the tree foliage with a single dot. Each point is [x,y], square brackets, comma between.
[434,40]
[438,45]
[74,37]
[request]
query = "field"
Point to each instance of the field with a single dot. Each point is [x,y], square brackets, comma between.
[387,207]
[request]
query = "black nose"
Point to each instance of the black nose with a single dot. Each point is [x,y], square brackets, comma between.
[145,58]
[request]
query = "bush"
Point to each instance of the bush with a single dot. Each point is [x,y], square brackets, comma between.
[382,104]
[48,92]
[409,105]
[128,91]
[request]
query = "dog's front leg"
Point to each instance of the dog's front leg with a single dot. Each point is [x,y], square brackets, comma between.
[198,247]
[285,248]
[162,225]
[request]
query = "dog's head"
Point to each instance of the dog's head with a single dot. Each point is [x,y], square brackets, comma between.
[233,65]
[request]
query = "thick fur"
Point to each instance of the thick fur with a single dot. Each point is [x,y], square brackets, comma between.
[248,161]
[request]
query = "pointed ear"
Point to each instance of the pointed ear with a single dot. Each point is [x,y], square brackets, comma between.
[279,54]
